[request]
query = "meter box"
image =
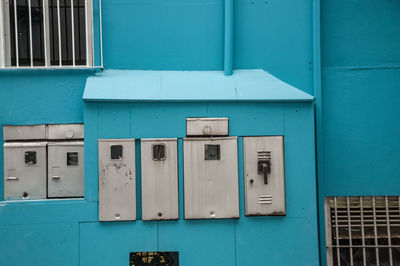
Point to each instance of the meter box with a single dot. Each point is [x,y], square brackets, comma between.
[211,178]
[159,179]
[264,175]
[26,133]
[65,169]
[207,126]
[117,180]
[25,170]
[65,131]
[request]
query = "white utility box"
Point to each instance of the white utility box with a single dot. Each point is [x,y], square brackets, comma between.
[25,170]
[159,179]
[65,169]
[211,178]
[117,180]
[264,175]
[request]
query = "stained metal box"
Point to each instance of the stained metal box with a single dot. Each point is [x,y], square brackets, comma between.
[34,132]
[65,131]
[211,178]
[117,180]
[264,187]
[65,169]
[159,179]
[206,126]
[25,170]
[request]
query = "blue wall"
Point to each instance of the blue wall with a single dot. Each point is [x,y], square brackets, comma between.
[360,90]
[245,241]
[359,115]
[67,232]
[275,35]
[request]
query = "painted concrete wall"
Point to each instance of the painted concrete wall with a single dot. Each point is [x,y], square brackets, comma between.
[360,90]
[67,232]
[245,241]
[275,35]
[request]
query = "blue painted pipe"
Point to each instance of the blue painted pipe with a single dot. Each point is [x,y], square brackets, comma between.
[228,38]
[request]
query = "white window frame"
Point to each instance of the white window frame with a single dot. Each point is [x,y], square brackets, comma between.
[5,43]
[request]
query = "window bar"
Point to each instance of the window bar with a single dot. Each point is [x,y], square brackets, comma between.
[2,55]
[30,31]
[362,231]
[349,226]
[375,231]
[73,32]
[79,32]
[337,234]
[101,35]
[16,34]
[388,230]
[45,34]
[87,32]
[59,33]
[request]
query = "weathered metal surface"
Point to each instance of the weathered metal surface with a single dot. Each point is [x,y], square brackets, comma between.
[25,170]
[65,131]
[31,132]
[117,181]
[211,186]
[159,180]
[264,198]
[200,126]
[65,169]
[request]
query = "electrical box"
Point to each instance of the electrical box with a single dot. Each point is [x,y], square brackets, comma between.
[159,179]
[207,126]
[211,178]
[65,131]
[117,180]
[264,175]
[65,169]
[31,132]
[25,170]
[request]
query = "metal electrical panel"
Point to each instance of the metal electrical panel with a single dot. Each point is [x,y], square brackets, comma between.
[65,169]
[211,178]
[159,179]
[65,131]
[207,126]
[25,170]
[117,180]
[32,132]
[264,175]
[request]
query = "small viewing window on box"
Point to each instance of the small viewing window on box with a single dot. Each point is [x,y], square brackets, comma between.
[46,33]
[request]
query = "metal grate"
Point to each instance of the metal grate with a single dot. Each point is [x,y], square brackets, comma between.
[48,33]
[363,230]
[154,259]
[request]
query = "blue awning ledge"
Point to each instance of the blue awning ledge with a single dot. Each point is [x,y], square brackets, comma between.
[174,86]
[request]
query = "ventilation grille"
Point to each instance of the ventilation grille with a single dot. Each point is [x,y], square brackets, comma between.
[265,199]
[363,230]
[264,155]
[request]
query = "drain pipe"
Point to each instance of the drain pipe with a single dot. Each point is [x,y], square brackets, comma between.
[228,37]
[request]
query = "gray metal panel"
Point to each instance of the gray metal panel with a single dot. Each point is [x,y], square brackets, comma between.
[159,181]
[65,131]
[261,198]
[34,132]
[202,126]
[211,186]
[117,181]
[65,180]
[22,181]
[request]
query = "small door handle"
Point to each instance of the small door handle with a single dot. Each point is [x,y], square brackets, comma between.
[11,178]
[264,164]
